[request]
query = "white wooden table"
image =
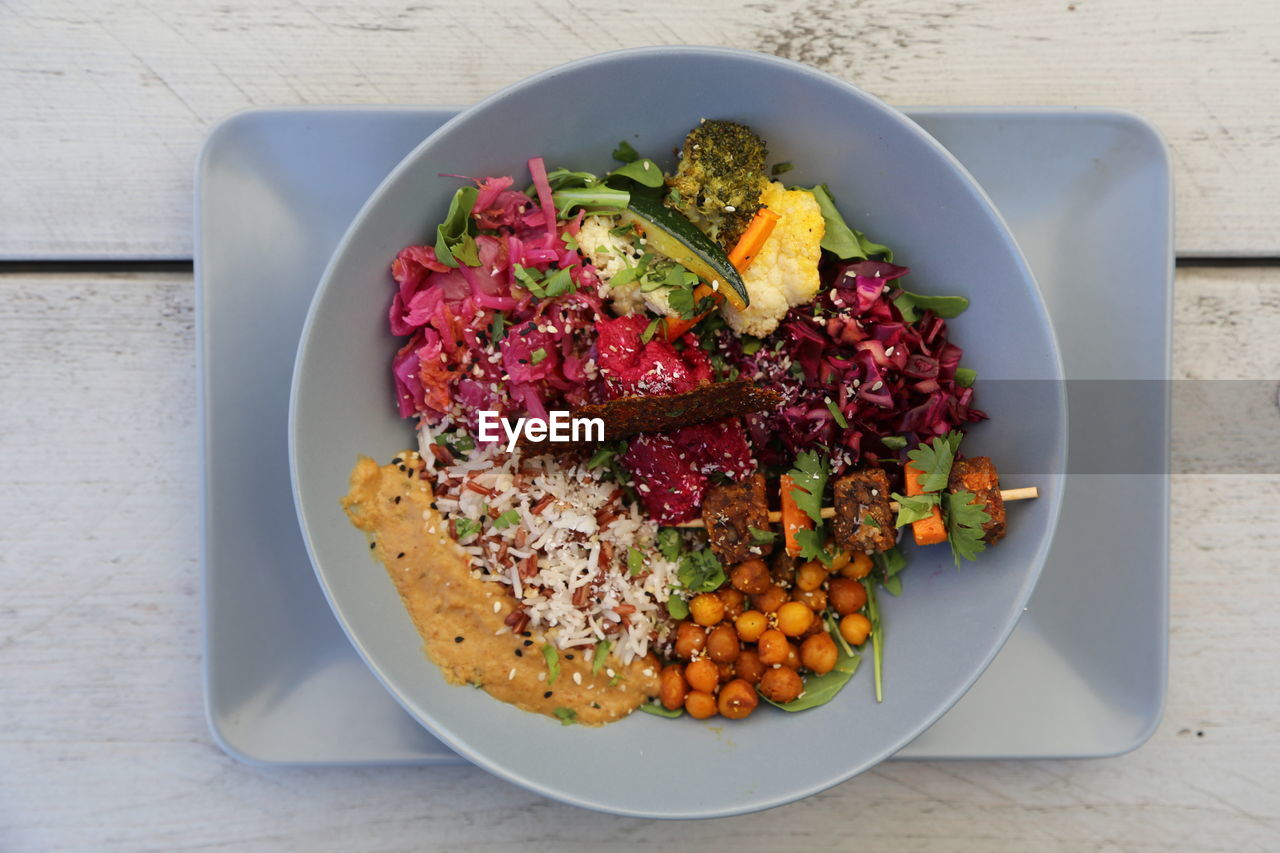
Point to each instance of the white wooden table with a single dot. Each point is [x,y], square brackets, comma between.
[103,744]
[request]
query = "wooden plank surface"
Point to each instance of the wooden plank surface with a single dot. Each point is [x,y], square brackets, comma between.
[103,104]
[103,741]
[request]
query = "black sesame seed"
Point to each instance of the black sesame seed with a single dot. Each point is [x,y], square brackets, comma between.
[546,695]
[570,657]
[528,642]
[519,653]
[400,556]
[397,499]
[458,639]
[396,461]
[526,633]
[373,545]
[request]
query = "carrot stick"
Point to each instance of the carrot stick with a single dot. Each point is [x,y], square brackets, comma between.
[793,517]
[751,241]
[927,531]
[677,326]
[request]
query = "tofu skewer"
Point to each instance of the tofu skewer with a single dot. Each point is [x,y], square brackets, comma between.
[1024,494]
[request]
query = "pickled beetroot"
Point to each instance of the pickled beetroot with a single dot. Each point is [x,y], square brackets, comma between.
[630,366]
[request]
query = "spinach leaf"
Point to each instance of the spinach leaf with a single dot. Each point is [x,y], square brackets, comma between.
[455,237]
[821,689]
[841,240]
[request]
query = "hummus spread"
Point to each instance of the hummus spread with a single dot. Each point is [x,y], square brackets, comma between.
[461,618]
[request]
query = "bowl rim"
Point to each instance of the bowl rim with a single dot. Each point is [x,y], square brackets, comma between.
[1053,491]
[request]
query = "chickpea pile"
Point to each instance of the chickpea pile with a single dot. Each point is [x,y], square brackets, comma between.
[762,630]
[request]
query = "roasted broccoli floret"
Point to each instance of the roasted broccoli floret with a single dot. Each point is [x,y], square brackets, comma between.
[719,179]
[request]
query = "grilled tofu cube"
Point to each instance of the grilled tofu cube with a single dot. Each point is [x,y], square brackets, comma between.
[863,520]
[729,512]
[976,474]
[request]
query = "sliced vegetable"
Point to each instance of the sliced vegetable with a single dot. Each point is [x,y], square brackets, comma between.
[675,327]
[673,235]
[793,517]
[930,530]
[753,239]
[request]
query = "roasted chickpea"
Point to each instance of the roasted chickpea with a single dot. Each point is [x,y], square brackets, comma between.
[859,566]
[818,624]
[748,666]
[751,625]
[840,558]
[700,705]
[810,576]
[783,569]
[819,653]
[702,674]
[814,599]
[751,577]
[794,618]
[722,644]
[772,647]
[855,628]
[793,656]
[672,687]
[738,699]
[770,600]
[846,595]
[781,684]
[726,672]
[734,602]
[706,609]
[690,639]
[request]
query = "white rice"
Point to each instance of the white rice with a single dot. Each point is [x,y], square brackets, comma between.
[582,520]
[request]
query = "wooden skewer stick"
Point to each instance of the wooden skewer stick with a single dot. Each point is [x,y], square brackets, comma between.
[1023,494]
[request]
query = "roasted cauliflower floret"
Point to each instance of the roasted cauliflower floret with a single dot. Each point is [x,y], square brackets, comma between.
[785,272]
[719,179]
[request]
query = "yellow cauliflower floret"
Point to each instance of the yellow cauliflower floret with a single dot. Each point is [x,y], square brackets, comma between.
[785,272]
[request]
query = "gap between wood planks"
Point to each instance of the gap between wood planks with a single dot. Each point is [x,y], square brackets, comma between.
[185,265]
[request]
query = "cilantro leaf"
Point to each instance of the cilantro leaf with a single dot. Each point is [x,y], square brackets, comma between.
[700,571]
[870,522]
[650,330]
[809,476]
[934,461]
[635,561]
[552,657]
[965,519]
[538,355]
[566,716]
[810,542]
[894,442]
[670,544]
[914,508]
[677,607]
[510,518]
[762,536]
[499,326]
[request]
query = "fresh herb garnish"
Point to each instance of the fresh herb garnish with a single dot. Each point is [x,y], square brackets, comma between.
[498,328]
[677,607]
[635,561]
[601,655]
[465,528]
[877,636]
[934,460]
[811,547]
[566,716]
[911,304]
[841,240]
[837,414]
[914,508]
[643,171]
[625,153]
[552,657]
[510,518]
[660,710]
[538,356]
[670,544]
[870,522]
[809,476]
[455,236]
[459,444]
[965,376]
[763,537]
[894,442]
[700,571]
[781,168]
[965,521]
[650,330]
[750,345]
[890,563]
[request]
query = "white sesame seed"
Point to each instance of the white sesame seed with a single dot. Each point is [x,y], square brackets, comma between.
[511,674]
[879,384]
[577,678]
[497,607]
